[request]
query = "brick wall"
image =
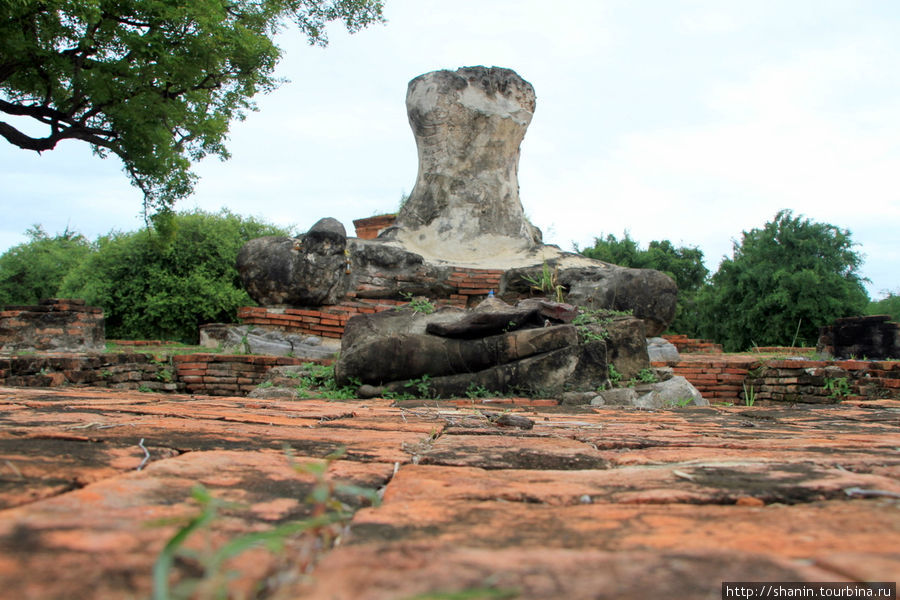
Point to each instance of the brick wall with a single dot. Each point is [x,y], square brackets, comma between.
[228,374]
[56,325]
[329,321]
[119,371]
[324,321]
[211,374]
[369,228]
[717,379]
[473,283]
[825,381]
[691,346]
[723,379]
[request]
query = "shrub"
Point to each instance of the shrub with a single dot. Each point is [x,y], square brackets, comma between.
[34,270]
[165,281]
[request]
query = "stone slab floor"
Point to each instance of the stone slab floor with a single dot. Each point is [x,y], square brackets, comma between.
[589,503]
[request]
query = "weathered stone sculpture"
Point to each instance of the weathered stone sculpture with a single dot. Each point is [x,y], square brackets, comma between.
[464,214]
[468,126]
[532,349]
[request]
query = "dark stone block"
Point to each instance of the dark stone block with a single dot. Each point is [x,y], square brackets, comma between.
[873,337]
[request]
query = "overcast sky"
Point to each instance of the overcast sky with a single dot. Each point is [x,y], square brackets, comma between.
[687,120]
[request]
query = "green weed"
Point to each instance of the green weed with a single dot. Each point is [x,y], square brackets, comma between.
[547,283]
[838,387]
[319,382]
[614,376]
[479,391]
[749,395]
[592,323]
[419,305]
[647,376]
[420,387]
[681,402]
[329,516]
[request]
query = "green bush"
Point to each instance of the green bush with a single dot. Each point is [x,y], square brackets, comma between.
[163,282]
[886,306]
[34,270]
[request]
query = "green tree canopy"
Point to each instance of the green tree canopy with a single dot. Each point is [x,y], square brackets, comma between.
[154,285]
[33,271]
[783,282]
[889,305]
[156,82]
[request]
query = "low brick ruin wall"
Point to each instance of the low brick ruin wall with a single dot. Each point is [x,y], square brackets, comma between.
[119,371]
[55,325]
[722,379]
[825,381]
[718,379]
[732,378]
[370,227]
[689,345]
[209,374]
[325,321]
[330,320]
[227,374]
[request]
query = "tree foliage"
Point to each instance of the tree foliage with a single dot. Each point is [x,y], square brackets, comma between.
[34,270]
[886,306]
[155,82]
[163,285]
[684,264]
[783,282]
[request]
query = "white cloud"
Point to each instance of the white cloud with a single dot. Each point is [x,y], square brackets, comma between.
[709,22]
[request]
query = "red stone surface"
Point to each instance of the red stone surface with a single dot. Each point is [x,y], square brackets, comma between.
[589,503]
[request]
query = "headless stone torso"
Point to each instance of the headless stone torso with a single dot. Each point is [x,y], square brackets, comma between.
[468,126]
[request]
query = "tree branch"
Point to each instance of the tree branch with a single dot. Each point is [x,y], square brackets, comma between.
[62,126]
[17,138]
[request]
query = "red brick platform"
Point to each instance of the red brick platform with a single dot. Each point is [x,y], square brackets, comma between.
[589,503]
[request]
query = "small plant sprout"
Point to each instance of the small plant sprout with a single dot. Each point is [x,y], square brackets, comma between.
[647,376]
[614,376]
[477,391]
[592,323]
[319,382]
[838,387]
[419,305]
[328,516]
[749,395]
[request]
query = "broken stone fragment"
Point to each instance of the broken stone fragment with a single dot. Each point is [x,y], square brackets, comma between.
[626,344]
[249,339]
[409,356]
[483,323]
[660,349]
[509,420]
[648,294]
[675,392]
[574,367]
[305,271]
